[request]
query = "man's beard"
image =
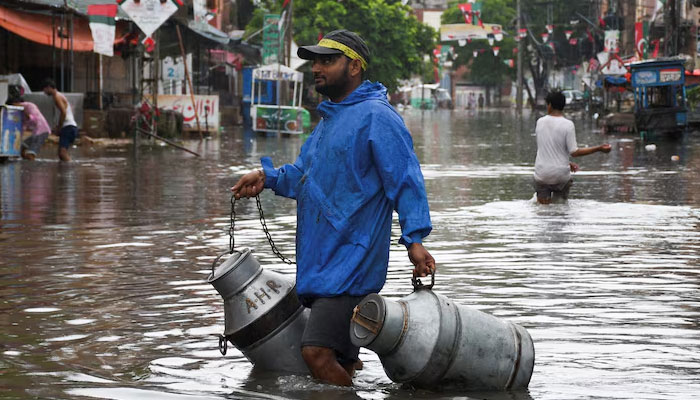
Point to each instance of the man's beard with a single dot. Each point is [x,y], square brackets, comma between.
[337,89]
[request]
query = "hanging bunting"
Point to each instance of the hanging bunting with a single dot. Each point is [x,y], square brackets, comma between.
[475,53]
[573,41]
[462,42]
[589,35]
[495,51]
[102,25]
[522,32]
[550,29]
[497,33]
[568,34]
[490,37]
[545,37]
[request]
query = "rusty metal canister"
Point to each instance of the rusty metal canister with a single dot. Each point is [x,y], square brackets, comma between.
[429,341]
[263,316]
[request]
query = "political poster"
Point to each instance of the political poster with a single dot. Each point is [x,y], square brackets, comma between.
[149,15]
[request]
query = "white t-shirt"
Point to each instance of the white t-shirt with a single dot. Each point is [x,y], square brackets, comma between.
[70,119]
[556,140]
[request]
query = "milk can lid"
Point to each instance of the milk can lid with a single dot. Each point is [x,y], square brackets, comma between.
[367,320]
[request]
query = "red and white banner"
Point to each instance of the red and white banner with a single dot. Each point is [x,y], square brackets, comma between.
[207,109]
[102,25]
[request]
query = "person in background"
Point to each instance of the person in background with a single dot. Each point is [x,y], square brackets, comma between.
[67,129]
[587,96]
[471,102]
[354,170]
[556,141]
[481,100]
[34,121]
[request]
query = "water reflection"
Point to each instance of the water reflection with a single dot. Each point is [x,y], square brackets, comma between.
[104,262]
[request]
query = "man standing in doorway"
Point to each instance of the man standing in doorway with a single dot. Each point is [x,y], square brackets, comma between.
[354,170]
[556,141]
[67,128]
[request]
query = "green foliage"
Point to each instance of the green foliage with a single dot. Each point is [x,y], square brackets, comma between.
[396,39]
[693,97]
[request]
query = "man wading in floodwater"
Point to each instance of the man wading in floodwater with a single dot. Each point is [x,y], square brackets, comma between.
[556,140]
[354,170]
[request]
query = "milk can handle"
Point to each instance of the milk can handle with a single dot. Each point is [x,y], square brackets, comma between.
[418,285]
[216,260]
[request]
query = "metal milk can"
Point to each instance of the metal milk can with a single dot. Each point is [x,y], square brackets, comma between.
[427,340]
[263,316]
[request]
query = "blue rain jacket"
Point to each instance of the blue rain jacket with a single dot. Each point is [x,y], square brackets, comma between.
[355,168]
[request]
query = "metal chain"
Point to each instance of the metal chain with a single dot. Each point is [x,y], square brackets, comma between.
[233,224]
[264,226]
[269,238]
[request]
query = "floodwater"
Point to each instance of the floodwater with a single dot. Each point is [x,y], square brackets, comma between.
[103,264]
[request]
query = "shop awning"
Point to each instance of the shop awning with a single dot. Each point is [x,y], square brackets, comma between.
[39,28]
[209,32]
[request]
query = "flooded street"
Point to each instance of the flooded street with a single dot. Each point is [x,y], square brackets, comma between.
[103,265]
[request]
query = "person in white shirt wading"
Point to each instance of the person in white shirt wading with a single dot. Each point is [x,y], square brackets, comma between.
[556,141]
[67,129]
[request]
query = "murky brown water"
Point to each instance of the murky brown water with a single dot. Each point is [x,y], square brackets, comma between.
[103,265]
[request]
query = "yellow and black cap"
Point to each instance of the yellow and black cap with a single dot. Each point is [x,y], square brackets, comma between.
[341,41]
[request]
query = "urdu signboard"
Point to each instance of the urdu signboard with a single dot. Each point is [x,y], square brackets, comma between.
[657,77]
[271,39]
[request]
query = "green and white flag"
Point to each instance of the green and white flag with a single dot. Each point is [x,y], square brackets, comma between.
[102,25]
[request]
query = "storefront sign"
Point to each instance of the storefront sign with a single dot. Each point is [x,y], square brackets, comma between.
[271,39]
[272,118]
[207,109]
[670,75]
[464,31]
[644,78]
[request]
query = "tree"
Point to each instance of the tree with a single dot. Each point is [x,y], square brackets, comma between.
[396,39]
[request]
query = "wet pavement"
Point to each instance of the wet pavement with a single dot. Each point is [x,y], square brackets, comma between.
[103,264]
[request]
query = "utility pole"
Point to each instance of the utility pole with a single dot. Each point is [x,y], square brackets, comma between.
[519,94]
[670,44]
[289,34]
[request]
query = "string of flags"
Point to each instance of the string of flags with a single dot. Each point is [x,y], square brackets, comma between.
[472,13]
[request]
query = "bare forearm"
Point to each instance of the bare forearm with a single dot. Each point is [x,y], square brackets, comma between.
[587,150]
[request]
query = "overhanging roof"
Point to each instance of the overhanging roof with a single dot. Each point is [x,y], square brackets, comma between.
[79,6]
[39,28]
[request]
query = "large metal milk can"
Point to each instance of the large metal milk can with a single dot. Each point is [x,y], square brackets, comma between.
[429,341]
[263,316]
